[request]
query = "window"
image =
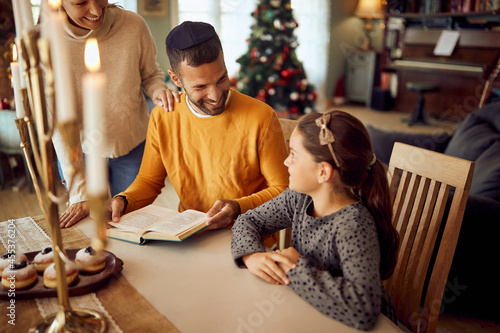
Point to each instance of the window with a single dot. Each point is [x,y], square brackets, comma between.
[232,21]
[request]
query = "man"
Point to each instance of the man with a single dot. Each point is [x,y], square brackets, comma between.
[223,151]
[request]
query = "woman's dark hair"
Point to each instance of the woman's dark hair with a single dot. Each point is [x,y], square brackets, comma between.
[200,54]
[367,181]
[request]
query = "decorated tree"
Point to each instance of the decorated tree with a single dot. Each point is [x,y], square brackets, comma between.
[270,70]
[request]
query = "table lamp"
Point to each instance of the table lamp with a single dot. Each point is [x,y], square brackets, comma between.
[369,9]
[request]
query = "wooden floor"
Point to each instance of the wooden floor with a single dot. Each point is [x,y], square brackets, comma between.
[22,202]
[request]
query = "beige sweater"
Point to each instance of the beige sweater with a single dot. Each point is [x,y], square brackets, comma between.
[128,58]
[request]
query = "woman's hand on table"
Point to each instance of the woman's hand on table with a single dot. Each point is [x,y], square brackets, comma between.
[73,214]
[269,266]
[167,98]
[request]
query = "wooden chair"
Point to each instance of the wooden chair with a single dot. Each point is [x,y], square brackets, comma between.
[420,184]
[285,235]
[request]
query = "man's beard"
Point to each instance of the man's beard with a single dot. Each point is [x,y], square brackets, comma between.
[212,112]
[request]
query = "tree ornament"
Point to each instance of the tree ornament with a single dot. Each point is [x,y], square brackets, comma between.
[275,3]
[294,109]
[308,110]
[294,96]
[271,91]
[277,24]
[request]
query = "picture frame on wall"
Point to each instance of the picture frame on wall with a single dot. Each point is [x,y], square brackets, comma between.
[152,7]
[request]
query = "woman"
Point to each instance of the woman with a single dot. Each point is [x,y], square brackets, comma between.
[339,208]
[128,58]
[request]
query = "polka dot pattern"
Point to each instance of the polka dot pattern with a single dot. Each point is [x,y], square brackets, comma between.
[338,271]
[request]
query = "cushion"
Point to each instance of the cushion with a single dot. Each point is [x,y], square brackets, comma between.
[486,178]
[383,141]
[476,133]
[472,138]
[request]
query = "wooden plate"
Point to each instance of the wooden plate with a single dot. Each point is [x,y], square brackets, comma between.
[84,284]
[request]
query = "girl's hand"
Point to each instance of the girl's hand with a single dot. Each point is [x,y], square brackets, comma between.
[291,254]
[266,265]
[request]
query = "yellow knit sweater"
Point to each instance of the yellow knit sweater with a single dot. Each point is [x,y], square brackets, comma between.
[237,155]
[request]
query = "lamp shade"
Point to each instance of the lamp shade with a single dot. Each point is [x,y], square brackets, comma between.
[369,8]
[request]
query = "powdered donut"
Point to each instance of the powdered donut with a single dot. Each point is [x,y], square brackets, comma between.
[8,258]
[19,276]
[43,259]
[90,260]
[50,276]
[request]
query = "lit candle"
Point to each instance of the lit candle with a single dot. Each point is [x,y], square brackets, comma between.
[65,103]
[23,18]
[14,68]
[93,111]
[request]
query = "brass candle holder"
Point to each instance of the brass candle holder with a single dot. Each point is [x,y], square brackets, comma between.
[39,92]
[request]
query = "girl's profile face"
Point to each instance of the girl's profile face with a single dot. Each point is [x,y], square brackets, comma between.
[302,167]
[86,14]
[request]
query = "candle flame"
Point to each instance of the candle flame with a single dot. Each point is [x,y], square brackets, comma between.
[14,53]
[92,61]
[54,4]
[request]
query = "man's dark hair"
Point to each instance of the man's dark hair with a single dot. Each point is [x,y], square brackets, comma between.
[203,53]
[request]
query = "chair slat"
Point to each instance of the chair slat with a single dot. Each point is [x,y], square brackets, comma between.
[412,245]
[439,276]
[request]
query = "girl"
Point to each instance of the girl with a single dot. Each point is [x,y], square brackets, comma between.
[339,208]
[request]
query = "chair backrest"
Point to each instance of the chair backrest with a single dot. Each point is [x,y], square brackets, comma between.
[420,185]
[287,125]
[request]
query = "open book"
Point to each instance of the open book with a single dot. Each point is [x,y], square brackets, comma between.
[157,223]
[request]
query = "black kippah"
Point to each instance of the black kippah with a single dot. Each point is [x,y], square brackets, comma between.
[189,34]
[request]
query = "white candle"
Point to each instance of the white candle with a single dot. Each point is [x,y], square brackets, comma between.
[14,68]
[23,18]
[93,110]
[65,103]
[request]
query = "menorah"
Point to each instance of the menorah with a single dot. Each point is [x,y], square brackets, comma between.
[38,98]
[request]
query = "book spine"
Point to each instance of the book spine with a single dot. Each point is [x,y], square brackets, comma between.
[467,6]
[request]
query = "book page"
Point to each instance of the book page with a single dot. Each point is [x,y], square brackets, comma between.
[144,218]
[139,222]
[180,222]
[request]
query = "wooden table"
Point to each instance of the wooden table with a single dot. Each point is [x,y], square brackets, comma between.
[198,288]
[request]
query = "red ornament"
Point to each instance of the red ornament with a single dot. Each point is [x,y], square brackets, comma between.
[285,73]
[253,54]
[261,96]
[294,109]
[286,50]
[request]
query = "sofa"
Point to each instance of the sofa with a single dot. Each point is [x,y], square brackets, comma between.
[475,272]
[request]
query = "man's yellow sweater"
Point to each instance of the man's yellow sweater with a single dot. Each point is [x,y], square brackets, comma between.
[237,155]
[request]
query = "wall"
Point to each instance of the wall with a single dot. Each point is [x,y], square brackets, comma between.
[347,33]
[160,27]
